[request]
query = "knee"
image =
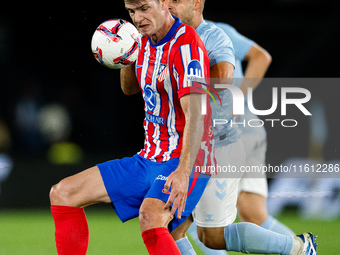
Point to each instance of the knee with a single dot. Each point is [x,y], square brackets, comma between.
[256,216]
[148,219]
[245,213]
[252,208]
[60,194]
[152,215]
[212,238]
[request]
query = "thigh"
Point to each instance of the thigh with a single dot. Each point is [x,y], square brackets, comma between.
[254,182]
[197,184]
[80,190]
[127,181]
[217,207]
[252,207]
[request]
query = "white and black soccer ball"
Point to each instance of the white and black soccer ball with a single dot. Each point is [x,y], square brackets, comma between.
[115,43]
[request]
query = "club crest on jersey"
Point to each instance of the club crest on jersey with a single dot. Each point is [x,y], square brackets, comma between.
[195,71]
[149,98]
[162,72]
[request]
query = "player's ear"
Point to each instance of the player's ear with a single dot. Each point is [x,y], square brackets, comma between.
[164,4]
[197,5]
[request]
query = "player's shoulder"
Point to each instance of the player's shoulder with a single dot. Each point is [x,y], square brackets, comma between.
[208,27]
[189,35]
[186,36]
[208,31]
[213,37]
[223,26]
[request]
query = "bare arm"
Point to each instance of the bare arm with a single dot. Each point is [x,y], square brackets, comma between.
[258,62]
[193,132]
[222,73]
[222,70]
[128,80]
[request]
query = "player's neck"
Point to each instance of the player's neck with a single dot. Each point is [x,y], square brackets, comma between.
[162,32]
[196,21]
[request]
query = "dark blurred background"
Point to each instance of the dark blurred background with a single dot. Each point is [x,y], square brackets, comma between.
[47,69]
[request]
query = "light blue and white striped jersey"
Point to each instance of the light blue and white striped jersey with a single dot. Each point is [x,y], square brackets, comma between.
[241,46]
[220,49]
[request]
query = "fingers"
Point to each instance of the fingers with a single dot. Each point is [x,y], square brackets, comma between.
[169,202]
[178,203]
[167,184]
[171,198]
[180,207]
[177,196]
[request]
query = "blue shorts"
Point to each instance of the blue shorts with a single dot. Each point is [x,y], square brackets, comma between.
[129,180]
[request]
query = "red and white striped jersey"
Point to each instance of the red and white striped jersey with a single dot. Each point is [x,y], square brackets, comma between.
[166,71]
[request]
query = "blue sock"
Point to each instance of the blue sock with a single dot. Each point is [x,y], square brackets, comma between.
[249,238]
[185,246]
[276,226]
[192,231]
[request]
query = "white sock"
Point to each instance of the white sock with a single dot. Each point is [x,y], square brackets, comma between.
[297,246]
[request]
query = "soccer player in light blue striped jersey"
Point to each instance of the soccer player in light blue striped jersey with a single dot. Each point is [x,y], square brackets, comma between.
[214,214]
[253,191]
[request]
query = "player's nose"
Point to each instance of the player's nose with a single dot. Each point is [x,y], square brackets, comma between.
[138,17]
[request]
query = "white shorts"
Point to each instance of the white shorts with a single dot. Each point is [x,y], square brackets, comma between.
[217,206]
[255,147]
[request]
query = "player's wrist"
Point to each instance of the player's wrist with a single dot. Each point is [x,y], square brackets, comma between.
[184,168]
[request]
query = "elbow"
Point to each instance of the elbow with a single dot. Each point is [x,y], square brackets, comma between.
[267,58]
[129,91]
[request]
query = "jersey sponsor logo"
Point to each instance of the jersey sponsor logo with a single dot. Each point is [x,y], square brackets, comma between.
[162,72]
[154,119]
[149,98]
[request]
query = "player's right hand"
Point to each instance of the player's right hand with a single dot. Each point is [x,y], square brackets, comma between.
[179,183]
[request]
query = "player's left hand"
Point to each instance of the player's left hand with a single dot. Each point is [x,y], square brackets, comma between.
[179,183]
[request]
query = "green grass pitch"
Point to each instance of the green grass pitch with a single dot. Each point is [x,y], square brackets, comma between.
[32,232]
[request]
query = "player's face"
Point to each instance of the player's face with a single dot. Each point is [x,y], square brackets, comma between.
[146,15]
[182,9]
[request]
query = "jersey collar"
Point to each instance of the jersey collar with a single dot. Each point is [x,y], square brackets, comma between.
[170,34]
[201,26]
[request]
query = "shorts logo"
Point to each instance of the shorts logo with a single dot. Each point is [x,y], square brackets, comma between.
[209,217]
[149,98]
[161,178]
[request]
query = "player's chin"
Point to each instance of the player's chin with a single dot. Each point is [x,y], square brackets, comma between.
[145,30]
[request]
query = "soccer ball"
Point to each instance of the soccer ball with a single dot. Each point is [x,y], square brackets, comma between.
[115,43]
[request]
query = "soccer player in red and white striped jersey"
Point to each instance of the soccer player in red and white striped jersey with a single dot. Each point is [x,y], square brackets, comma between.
[159,184]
